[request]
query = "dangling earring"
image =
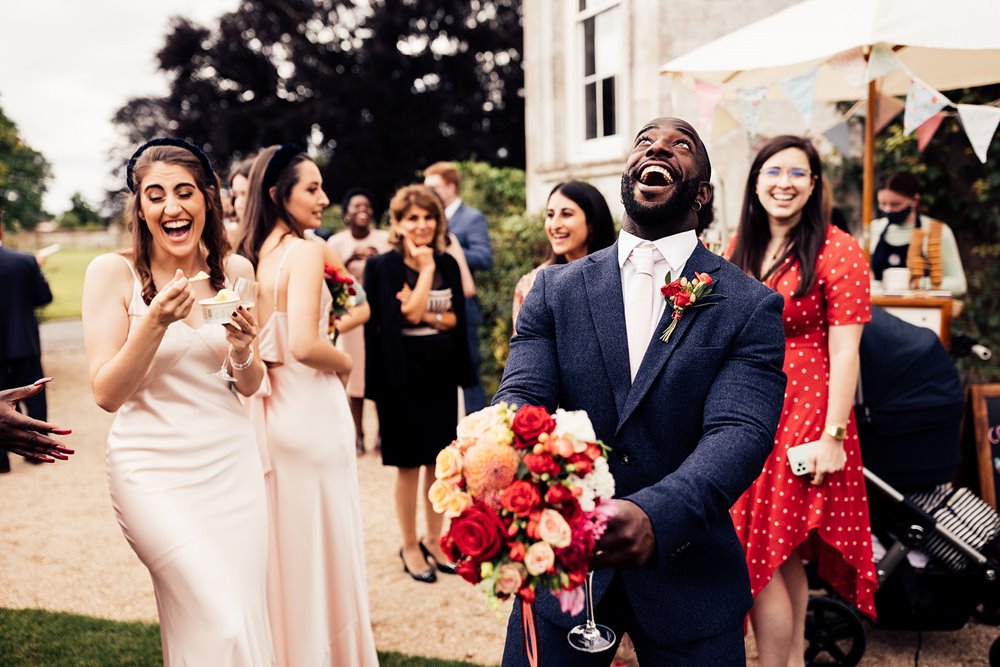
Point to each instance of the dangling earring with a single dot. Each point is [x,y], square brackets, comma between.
[696,206]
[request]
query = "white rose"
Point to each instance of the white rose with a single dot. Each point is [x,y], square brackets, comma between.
[575,424]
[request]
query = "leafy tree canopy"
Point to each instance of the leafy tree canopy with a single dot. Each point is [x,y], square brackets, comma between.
[379,88]
[80,214]
[24,176]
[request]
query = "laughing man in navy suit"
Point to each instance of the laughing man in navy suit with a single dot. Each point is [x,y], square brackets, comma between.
[690,421]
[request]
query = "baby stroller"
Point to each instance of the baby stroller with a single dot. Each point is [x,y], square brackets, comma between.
[909,414]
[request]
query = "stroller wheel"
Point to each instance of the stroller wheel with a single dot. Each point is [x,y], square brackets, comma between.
[834,633]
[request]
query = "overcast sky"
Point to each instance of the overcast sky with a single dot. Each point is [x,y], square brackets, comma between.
[67,65]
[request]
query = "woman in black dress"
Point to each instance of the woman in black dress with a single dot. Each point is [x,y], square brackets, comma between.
[416,358]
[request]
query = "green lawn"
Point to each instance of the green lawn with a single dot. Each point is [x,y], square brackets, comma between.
[36,638]
[64,271]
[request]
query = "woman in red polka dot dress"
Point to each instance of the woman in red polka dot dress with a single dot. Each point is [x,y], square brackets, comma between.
[784,240]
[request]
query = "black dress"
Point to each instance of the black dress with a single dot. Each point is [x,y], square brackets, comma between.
[413,372]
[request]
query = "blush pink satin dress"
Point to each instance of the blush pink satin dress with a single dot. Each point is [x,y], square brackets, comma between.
[317,585]
[188,490]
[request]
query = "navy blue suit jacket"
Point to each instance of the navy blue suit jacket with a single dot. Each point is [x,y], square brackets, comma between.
[24,289]
[688,436]
[469,226]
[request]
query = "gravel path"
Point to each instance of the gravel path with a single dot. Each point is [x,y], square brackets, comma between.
[61,549]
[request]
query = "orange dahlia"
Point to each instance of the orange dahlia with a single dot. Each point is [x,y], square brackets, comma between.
[489,466]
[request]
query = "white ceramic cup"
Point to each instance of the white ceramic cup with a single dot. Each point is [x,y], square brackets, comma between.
[896,279]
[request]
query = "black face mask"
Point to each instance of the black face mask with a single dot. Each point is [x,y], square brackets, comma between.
[898,217]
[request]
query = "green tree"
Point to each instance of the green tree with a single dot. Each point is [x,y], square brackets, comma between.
[24,176]
[80,215]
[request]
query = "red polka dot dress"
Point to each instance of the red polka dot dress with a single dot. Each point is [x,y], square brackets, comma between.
[781,511]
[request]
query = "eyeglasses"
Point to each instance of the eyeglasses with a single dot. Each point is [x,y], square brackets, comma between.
[773,174]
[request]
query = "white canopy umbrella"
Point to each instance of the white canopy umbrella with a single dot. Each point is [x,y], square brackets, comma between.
[948,45]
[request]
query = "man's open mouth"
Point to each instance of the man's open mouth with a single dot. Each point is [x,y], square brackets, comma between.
[655,175]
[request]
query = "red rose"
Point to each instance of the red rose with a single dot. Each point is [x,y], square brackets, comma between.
[571,510]
[469,571]
[593,452]
[682,299]
[541,464]
[671,289]
[517,550]
[584,464]
[576,578]
[575,556]
[558,494]
[478,533]
[448,547]
[529,423]
[531,530]
[527,594]
[520,498]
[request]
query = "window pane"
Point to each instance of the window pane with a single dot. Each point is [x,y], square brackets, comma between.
[608,104]
[590,101]
[588,47]
[608,49]
[583,5]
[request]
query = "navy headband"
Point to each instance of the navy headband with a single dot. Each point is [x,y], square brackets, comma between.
[168,141]
[279,162]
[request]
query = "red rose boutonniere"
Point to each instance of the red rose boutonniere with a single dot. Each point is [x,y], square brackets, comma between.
[683,294]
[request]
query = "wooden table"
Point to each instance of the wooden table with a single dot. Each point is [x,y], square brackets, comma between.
[921,309]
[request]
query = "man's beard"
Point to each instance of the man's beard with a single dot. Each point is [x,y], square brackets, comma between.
[669,213]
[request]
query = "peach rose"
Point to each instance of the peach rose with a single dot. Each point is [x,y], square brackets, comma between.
[510,576]
[489,425]
[539,558]
[561,445]
[554,530]
[448,464]
[440,494]
[457,503]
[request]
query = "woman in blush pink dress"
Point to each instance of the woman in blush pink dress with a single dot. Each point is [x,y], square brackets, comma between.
[317,586]
[784,240]
[182,463]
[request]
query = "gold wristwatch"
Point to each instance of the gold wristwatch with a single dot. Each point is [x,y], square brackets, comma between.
[838,433]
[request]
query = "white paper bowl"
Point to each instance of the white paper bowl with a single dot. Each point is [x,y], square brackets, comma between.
[218,312]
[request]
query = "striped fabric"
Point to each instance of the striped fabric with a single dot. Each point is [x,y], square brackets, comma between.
[963,513]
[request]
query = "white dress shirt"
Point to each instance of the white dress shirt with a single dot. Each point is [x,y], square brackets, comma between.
[675,251]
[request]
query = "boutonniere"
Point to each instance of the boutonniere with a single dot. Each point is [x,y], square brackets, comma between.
[683,294]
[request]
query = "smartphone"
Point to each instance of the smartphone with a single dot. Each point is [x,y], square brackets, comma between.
[800,458]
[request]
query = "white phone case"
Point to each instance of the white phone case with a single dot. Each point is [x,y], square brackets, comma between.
[798,457]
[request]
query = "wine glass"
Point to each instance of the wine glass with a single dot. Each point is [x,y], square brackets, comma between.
[591,637]
[222,373]
[247,289]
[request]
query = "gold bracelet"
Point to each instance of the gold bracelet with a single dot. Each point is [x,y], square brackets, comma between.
[836,432]
[246,363]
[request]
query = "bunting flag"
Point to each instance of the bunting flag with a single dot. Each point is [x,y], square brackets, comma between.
[801,90]
[980,123]
[926,131]
[708,95]
[839,136]
[723,123]
[922,102]
[850,65]
[750,100]
[881,61]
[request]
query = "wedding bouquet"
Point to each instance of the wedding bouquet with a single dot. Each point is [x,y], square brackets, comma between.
[346,293]
[528,494]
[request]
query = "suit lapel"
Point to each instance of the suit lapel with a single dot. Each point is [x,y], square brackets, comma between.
[658,352]
[603,282]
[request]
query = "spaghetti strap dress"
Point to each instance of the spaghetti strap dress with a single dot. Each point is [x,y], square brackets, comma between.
[188,491]
[317,584]
[780,511]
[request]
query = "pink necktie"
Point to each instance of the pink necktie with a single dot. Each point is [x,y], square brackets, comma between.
[638,306]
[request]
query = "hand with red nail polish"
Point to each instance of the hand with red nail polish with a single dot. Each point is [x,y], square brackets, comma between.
[23,435]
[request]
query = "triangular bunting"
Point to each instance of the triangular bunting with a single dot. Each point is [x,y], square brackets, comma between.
[922,102]
[750,100]
[801,90]
[980,123]
[838,136]
[881,61]
[926,131]
[723,123]
[708,95]
[850,65]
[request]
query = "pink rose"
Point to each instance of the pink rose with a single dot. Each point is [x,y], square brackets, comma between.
[554,530]
[510,577]
[539,558]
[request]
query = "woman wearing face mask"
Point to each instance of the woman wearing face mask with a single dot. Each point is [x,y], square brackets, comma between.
[182,464]
[417,355]
[577,223]
[317,593]
[903,237]
[784,241]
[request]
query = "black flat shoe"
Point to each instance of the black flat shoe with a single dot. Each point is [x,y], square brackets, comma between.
[446,568]
[426,576]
